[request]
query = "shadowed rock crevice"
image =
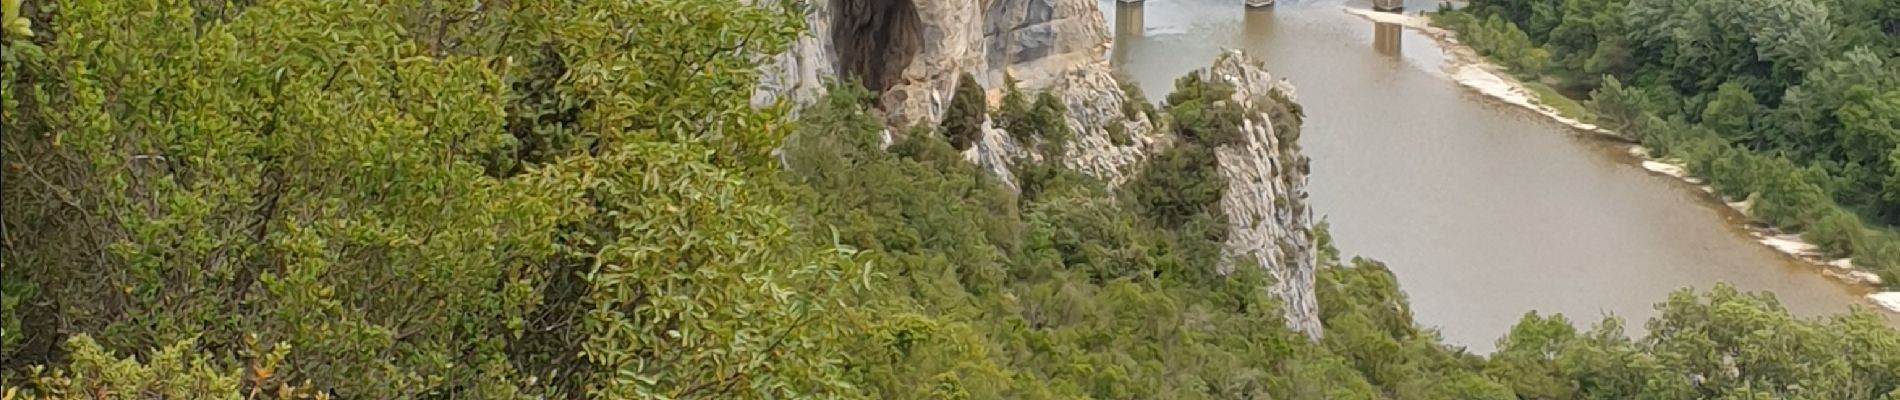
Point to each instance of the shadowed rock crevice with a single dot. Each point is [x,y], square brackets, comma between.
[875,40]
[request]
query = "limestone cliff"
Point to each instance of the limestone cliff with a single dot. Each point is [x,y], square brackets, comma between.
[799,74]
[1268,221]
[1094,101]
[911,52]
[1269,225]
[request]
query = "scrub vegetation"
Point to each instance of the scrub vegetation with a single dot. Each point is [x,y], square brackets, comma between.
[576,199]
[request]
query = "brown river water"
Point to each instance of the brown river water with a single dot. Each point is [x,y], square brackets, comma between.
[1483,210]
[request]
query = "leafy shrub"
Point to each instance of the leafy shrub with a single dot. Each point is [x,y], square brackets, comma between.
[1118,134]
[175,371]
[1837,233]
[1203,111]
[1135,104]
[322,177]
[1620,108]
[1048,123]
[1178,184]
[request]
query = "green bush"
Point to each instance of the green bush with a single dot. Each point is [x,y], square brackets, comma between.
[1118,134]
[1178,184]
[1498,39]
[1620,108]
[1204,112]
[1837,233]
[1048,123]
[325,178]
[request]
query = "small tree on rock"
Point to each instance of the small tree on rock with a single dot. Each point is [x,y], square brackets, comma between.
[1046,121]
[1015,107]
[963,121]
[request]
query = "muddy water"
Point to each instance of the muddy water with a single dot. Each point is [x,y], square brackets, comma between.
[1484,211]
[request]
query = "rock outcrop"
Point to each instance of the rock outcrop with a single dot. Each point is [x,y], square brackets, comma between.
[799,74]
[1060,46]
[1268,222]
[1097,113]
[911,51]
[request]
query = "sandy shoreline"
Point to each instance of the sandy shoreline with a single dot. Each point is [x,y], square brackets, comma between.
[1471,70]
[1467,68]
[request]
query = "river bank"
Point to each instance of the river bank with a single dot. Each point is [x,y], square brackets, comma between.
[1466,67]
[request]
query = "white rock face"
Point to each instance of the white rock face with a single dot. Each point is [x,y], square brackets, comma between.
[1268,222]
[1035,40]
[799,74]
[1094,101]
[994,151]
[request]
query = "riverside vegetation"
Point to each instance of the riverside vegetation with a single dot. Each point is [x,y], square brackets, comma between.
[567,199]
[1794,104]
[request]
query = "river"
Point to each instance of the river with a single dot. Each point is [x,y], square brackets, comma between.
[1484,211]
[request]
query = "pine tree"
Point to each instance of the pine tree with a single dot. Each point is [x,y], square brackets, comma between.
[963,121]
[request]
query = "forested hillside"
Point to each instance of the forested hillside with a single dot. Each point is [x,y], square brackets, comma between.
[1792,103]
[575,199]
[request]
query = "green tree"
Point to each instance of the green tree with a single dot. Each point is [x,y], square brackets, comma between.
[1732,113]
[1718,343]
[1180,184]
[1528,356]
[1015,108]
[680,313]
[1870,130]
[1203,111]
[963,120]
[169,207]
[323,177]
[1048,123]
[1621,107]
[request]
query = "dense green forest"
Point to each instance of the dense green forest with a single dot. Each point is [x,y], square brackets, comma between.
[1792,103]
[575,199]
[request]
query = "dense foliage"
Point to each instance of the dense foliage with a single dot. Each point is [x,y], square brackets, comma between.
[1064,291]
[575,199]
[1794,102]
[1203,111]
[1041,124]
[447,198]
